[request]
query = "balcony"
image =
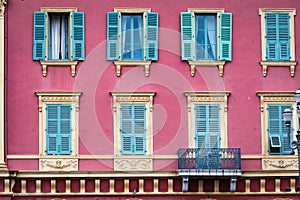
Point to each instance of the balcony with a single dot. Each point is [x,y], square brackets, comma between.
[209,162]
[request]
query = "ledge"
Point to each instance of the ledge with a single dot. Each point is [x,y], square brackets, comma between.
[266,64]
[47,63]
[219,64]
[209,172]
[119,64]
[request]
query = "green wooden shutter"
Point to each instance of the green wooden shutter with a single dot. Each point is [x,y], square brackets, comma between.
[65,136]
[284,36]
[52,129]
[78,36]
[187,36]
[271,36]
[139,129]
[151,36]
[277,129]
[207,125]
[126,129]
[226,36]
[113,36]
[39,34]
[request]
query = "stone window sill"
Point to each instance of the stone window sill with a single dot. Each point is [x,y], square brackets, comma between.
[47,63]
[119,64]
[266,64]
[219,64]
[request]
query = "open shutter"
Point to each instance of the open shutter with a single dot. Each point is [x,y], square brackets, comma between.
[39,36]
[225,36]
[284,36]
[201,125]
[112,41]
[214,126]
[65,135]
[126,129]
[78,36]
[151,36]
[187,36]
[271,36]
[139,129]
[52,129]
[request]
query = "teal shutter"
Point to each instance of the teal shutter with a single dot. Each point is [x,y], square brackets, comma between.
[65,129]
[207,125]
[277,130]
[52,129]
[39,34]
[151,36]
[226,36]
[187,36]
[112,42]
[133,133]
[58,129]
[277,36]
[78,36]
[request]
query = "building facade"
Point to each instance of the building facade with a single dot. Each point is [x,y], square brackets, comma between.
[148,100]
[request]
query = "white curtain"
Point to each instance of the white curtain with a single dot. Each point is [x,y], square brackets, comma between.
[126,26]
[58,40]
[211,26]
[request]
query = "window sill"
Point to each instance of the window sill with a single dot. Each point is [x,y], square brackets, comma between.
[280,162]
[219,64]
[119,64]
[58,163]
[266,64]
[133,163]
[47,63]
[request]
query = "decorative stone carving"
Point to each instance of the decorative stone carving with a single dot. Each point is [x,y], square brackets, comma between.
[3,3]
[58,164]
[288,164]
[124,164]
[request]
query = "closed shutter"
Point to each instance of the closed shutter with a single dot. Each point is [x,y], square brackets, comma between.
[187,36]
[226,36]
[113,36]
[151,36]
[39,34]
[277,130]
[52,126]
[65,129]
[133,129]
[284,36]
[78,35]
[207,125]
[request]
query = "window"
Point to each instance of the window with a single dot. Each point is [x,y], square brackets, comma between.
[207,112]
[276,152]
[133,130]
[58,37]
[206,37]
[132,37]
[277,36]
[58,132]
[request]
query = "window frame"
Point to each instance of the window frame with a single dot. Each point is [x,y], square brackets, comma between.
[133,98]
[46,162]
[277,161]
[72,62]
[147,60]
[206,98]
[278,63]
[218,62]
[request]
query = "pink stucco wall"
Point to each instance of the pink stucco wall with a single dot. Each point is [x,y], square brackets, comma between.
[169,78]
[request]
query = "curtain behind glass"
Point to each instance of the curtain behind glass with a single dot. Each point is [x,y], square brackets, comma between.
[59,30]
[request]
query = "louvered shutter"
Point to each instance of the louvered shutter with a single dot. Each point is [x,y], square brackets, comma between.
[52,127]
[139,129]
[78,36]
[151,36]
[112,42]
[187,36]
[271,36]
[214,126]
[39,34]
[200,125]
[226,36]
[126,129]
[278,129]
[65,129]
[284,36]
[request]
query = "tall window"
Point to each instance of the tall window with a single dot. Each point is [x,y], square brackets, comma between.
[206,37]
[207,125]
[277,130]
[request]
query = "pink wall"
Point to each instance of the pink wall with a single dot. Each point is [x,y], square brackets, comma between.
[169,78]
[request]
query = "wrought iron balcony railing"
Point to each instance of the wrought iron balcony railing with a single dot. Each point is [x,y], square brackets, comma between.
[199,160]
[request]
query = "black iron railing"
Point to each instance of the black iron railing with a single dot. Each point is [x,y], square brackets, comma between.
[209,158]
